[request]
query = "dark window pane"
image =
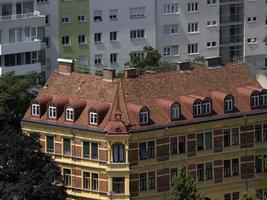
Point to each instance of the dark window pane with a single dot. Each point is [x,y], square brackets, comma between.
[94,150]
[49,143]
[142,151]
[200,141]
[66,146]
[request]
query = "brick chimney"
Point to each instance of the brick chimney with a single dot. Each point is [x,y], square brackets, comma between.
[183,67]
[212,62]
[109,74]
[65,66]
[130,73]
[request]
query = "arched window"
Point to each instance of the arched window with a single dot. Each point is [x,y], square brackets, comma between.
[144,116]
[255,100]
[52,111]
[118,153]
[207,107]
[175,111]
[197,108]
[35,109]
[228,103]
[69,113]
[93,117]
[264,98]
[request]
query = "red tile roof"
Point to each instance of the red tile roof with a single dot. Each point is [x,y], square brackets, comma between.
[127,97]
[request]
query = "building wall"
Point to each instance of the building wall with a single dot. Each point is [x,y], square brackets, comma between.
[205,34]
[123,25]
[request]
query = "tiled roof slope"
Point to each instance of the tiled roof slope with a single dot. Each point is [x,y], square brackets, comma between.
[128,95]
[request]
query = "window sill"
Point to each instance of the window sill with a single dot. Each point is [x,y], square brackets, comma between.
[169,14]
[193,33]
[212,47]
[192,54]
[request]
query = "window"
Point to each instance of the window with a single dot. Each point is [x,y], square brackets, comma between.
[258,164]
[94,151]
[264,99]
[209,170]
[235,167]
[235,136]
[211,44]
[200,141]
[98,59]
[173,146]
[193,48]
[258,133]
[211,23]
[175,111]
[98,37]
[182,144]
[137,34]
[47,19]
[86,149]
[138,54]
[211,2]
[170,29]
[94,181]
[144,116]
[192,7]
[193,28]
[143,182]
[227,168]
[151,180]
[35,109]
[227,196]
[151,149]
[226,137]
[65,19]
[208,140]
[173,175]
[52,112]
[171,8]
[235,195]
[50,144]
[200,172]
[118,153]
[228,103]
[252,19]
[69,113]
[81,18]
[147,150]
[137,12]
[197,108]
[255,100]
[252,40]
[171,51]
[113,36]
[66,146]
[118,185]
[86,180]
[113,14]
[93,117]
[81,39]
[66,40]
[206,107]
[113,58]
[265,132]
[98,15]
[67,177]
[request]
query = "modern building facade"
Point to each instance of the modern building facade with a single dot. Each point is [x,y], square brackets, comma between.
[22,33]
[127,138]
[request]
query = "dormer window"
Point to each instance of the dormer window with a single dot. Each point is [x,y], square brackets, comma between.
[35,109]
[207,107]
[228,103]
[175,111]
[144,116]
[197,108]
[255,100]
[93,117]
[264,99]
[69,114]
[52,112]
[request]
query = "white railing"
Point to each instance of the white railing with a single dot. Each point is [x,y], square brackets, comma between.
[20,16]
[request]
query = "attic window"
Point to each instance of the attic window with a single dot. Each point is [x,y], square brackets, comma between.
[52,112]
[144,116]
[69,114]
[207,107]
[264,99]
[255,100]
[197,108]
[228,103]
[35,109]
[93,117]
[175,111]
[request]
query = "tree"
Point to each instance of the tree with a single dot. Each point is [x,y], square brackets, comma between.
[26,173]
[184,188]
[246,196]
[15,96]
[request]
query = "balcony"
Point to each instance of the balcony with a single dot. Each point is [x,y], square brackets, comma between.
[20,47]
[21,70]
[20,16]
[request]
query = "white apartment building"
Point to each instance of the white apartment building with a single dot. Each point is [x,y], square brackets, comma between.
[21,36]
[255,40]
[118,27]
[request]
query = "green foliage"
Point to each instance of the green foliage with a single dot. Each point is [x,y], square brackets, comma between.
[15,96]
[25,171]
[184,188]
[246,196]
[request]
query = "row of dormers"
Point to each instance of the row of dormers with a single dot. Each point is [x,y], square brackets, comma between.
[198,106]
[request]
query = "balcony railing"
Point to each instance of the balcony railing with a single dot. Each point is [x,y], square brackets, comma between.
[20,16]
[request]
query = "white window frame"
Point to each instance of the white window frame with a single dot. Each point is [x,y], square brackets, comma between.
[264,99]
[69,114]
[35,109]
[96,36]
[206,107]
[193,28]
[93,117]
[114,58]
[52,112]
[198,106]
[144,116]
[193,49]
[175,111]
[171,8]
[255,98]
[82,37]
[170,29]
[64,39]
[137,34]
[228,104]
[65,19]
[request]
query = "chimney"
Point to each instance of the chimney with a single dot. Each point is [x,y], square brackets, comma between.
[183,67]
[109,74]
[130,73]
[213,62]
[65,66]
